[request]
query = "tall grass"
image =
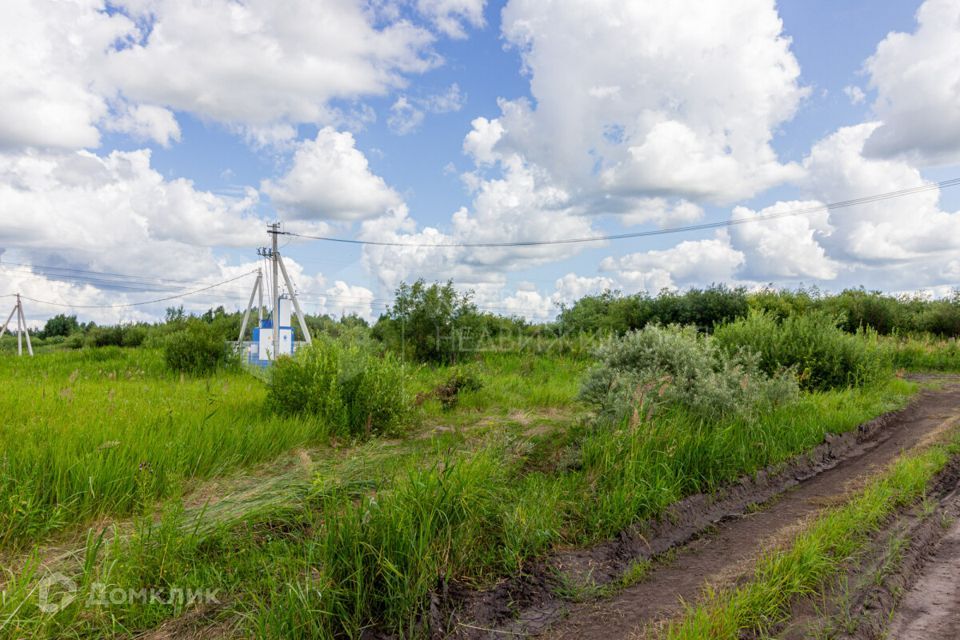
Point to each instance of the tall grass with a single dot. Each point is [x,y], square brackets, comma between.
[351,388]
[923,353]
[368,547]
[106,432]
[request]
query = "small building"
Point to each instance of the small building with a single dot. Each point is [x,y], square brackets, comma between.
[260,351]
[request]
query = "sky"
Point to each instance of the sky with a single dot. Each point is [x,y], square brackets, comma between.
[146,144]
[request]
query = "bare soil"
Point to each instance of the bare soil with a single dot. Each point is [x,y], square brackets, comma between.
[715,539]
[931,609]
[859,605]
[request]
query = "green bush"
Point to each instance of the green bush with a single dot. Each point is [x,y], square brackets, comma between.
[859,309]
[821,354]
[134,335]
[196,349]
[374,395]
[74,341]
[672,365]
[308,382]
[352,389]
[941,318]
[104,337]
[611,312]
[781,303]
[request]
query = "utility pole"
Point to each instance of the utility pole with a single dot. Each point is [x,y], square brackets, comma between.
[257,287]
[278,269]
[296,302]
[21,327]
[260,296]
[274,231]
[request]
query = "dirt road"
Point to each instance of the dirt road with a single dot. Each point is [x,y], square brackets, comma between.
[730,545]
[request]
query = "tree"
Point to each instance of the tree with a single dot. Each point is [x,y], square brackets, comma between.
[429,322]
[60,325]
[175,314]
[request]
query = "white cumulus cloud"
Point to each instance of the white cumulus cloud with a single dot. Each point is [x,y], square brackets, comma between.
[784,248]
[691,262]
[678,99]
[330,179]
[917,78]
[451,17]
[48,54]
[69,70]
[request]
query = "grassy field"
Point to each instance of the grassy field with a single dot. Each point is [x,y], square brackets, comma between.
[128,477]
[108,432]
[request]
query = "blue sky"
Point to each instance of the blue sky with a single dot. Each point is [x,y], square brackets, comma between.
[155,139]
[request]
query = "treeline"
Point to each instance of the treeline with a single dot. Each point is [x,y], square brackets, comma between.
[66,331]
[434,322]
[853,309]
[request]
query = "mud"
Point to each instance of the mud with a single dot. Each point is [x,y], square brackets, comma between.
[859,605]
[715,538]
[931,610]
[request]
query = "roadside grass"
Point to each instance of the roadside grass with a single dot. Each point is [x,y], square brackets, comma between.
[371,538]
[817,554]
[923,353]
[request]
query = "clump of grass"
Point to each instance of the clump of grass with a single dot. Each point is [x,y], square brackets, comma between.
[462,379]
[923,353]
[357,392]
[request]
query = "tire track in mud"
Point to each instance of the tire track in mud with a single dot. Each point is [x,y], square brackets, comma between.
[715,538]
[860,604]
[931,609]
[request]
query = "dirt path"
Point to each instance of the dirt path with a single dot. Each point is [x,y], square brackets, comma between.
[737,540]
[931,609]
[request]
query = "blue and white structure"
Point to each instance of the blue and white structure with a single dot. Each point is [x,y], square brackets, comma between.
[260,351]
[274,336]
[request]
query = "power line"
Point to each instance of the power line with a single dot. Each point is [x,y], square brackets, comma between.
[101,283]
[642,234]
[126,276]
[136,304]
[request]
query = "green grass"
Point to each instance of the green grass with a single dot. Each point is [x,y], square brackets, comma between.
[923,353]
[512,381]
[514,471]
[373,536]
[108,432]
[818,553]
